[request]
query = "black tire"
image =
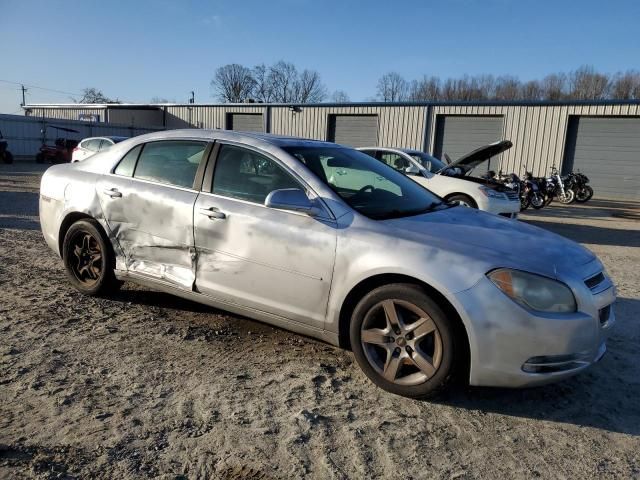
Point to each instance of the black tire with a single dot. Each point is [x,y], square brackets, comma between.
[537,201]
[464,200]
[409,379]
[8,157]
[90,265]
[524,203]
[584,194]
[39,158]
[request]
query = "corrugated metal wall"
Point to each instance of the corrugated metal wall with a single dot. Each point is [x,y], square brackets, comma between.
[538,132]
[24,134]
[66,113]
[398,126]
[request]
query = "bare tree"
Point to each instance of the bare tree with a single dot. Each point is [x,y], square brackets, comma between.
[161,100]
[263,89]
[93,95]
[554,87]
[308,88]
[626,86]
[507,88]
[587,84]
[392,88]
[233,83]
[531,90]
[282,78]
[425,89]
[340,96]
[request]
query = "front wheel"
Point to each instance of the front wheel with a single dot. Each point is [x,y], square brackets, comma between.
[568,196]
[584,194]
[403,341]
[537,201]
[88,259]
[40,158]
[8,157]
[463,200]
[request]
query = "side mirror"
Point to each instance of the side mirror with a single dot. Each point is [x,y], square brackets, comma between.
[412,170]
[292,199]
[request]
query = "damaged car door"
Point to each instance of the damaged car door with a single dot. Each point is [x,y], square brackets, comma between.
[268,259]
[148,205]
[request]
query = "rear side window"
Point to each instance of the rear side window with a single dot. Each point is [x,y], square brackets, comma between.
[105,145]
[93,144]
[128,162]
[174,162]
[247,175]
[394,160]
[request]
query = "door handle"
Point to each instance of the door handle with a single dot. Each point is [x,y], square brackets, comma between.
[341,172]
[380,178]
[112,192]
[213,212]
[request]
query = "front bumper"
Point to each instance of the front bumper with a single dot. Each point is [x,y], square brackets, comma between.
[514,347]
[507,208]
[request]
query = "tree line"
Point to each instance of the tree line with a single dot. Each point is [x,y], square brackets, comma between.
[283,82]
[584,83]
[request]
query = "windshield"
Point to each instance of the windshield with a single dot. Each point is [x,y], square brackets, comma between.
[367,185]
[427,161]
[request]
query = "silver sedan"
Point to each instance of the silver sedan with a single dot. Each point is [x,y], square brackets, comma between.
[328,242]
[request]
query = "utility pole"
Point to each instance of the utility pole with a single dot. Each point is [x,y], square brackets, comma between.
[24,90]
[193,97]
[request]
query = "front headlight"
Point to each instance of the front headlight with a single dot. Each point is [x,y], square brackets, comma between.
[534,291]
[491,193]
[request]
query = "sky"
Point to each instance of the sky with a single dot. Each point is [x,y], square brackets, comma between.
[137,49]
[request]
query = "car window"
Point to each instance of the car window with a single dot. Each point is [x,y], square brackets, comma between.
[128,163]
[247,175]
[365,183]
[427,161]
[105,144]
[93,144]
[394,160]
[371,153]
[174,162]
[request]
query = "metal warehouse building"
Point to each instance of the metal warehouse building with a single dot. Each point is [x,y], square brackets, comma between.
[601,139]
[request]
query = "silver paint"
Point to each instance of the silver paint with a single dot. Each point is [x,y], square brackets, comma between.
[295,271]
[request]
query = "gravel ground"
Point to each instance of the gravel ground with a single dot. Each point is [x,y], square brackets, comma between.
[148,385]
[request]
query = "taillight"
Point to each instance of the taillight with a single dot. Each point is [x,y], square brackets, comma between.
[76,149]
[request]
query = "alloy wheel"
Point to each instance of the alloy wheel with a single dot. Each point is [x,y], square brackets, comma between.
[401,342]
[85,258]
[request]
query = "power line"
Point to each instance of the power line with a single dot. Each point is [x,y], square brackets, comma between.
[42,88]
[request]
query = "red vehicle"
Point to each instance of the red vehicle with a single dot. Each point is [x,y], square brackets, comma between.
[61,150]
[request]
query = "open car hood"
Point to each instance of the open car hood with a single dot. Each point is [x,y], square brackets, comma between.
[471,160]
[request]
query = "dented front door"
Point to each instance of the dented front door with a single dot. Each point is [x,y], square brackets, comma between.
[153,225]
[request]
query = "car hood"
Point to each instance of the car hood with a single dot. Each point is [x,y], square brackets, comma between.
[472,159]
[498,241]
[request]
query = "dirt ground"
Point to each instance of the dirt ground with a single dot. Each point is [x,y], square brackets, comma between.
[148,385]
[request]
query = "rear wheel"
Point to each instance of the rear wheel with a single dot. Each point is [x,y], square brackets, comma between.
[88,259]
[464,200]
[584,194]
[403,341]
[8,157]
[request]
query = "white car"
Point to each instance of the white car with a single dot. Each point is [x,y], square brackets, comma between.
[452,181]
[92,145]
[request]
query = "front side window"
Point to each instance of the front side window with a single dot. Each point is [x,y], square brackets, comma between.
[366,184]
[173,162]
[430,163]
[247,175]
[93,144]
[105,145]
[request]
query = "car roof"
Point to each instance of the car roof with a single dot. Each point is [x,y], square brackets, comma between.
[254,138]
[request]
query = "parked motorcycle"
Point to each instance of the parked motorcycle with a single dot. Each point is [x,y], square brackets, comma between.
[5,154]
[578,183]
[562,191]
[530,193]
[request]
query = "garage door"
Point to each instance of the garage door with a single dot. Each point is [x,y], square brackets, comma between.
[353,130]
[607,150]
[457,135]
[245,122]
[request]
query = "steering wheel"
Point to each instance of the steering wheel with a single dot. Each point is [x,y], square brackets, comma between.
[364,189]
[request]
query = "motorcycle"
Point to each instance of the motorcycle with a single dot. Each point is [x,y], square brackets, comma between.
[5,154]
[583,192]
[564,193]
[530,193]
